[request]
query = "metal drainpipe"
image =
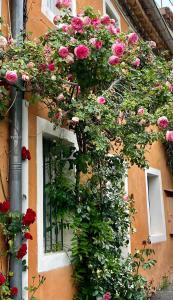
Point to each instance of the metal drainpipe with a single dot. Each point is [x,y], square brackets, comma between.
[15,144]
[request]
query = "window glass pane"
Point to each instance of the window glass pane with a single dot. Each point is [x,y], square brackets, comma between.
[52,7]
[58,181]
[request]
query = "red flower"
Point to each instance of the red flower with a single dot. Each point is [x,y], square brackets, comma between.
[51,67]
[28,154]
[22,251]
[5,206]
[28,236]
[29,217]
[14,291]
[2,279]
[24,153]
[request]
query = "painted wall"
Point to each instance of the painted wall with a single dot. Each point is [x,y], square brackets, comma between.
[137,186]
[58,285]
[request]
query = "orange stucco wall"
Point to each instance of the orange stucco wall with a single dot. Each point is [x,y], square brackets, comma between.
[137,186]
[58,285]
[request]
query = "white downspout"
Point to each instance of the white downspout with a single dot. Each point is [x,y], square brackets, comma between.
[25,184]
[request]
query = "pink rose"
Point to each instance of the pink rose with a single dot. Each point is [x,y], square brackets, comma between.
[152,44]
[60,97]
[51,67]
[63,52]
[25,77]
[96,23]
[105,20]
[136,62]
[56,19]
[86,20]
[73,40]
[114,60]
[112,29]
[11,76]
[70,59]
[170,86]
[169,136]
[141,111]
[77,23]
[113,21]
[64,27]
[101,100]
[162,122]
[118,48]
[82,51]
[63,4]
[125,197]
[133,38]
[96,43]
[58,114]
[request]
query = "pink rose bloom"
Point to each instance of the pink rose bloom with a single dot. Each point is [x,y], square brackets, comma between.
[60,97]
[63,4]
[82,51]
[70,59]
[152,44]
[25,77]
[73,40]
[77,23]
[64,27]
[51,67]
[11,76]
[169,136]
[114,60]
[70,77]
[133,38]
[56,19]
[170,86]
[105,20]
[162,122]
[118,48]
[125,197]
[96,23]
[96,43]
[107,296]
[136,62]
[101,100]
[112,29]
[86,20]
[63,52]
[141,111]
[58,114]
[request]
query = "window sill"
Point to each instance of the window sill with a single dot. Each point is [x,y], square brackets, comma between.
[50,261]
[157,238]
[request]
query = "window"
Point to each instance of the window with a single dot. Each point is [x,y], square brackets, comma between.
[53,241]
[110,10]
[59,179]
[155,206]
[49,9]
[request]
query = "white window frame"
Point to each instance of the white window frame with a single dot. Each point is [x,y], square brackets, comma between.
[160,236]
[0,8]
[49,14]
[113,9]
[48,261]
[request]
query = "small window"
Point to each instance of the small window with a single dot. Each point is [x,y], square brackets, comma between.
[156,217]
[58,187]
[49,9]
[110,10]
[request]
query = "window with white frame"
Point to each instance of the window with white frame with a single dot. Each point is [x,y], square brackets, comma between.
[155,206]
[53,233]
[110,10]
[49,8]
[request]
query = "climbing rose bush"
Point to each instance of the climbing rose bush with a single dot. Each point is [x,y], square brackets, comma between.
[114,93]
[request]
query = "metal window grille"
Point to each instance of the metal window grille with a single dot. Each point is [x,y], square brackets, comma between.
[57,233]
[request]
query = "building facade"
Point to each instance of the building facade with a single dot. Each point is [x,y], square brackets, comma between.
[152,189]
